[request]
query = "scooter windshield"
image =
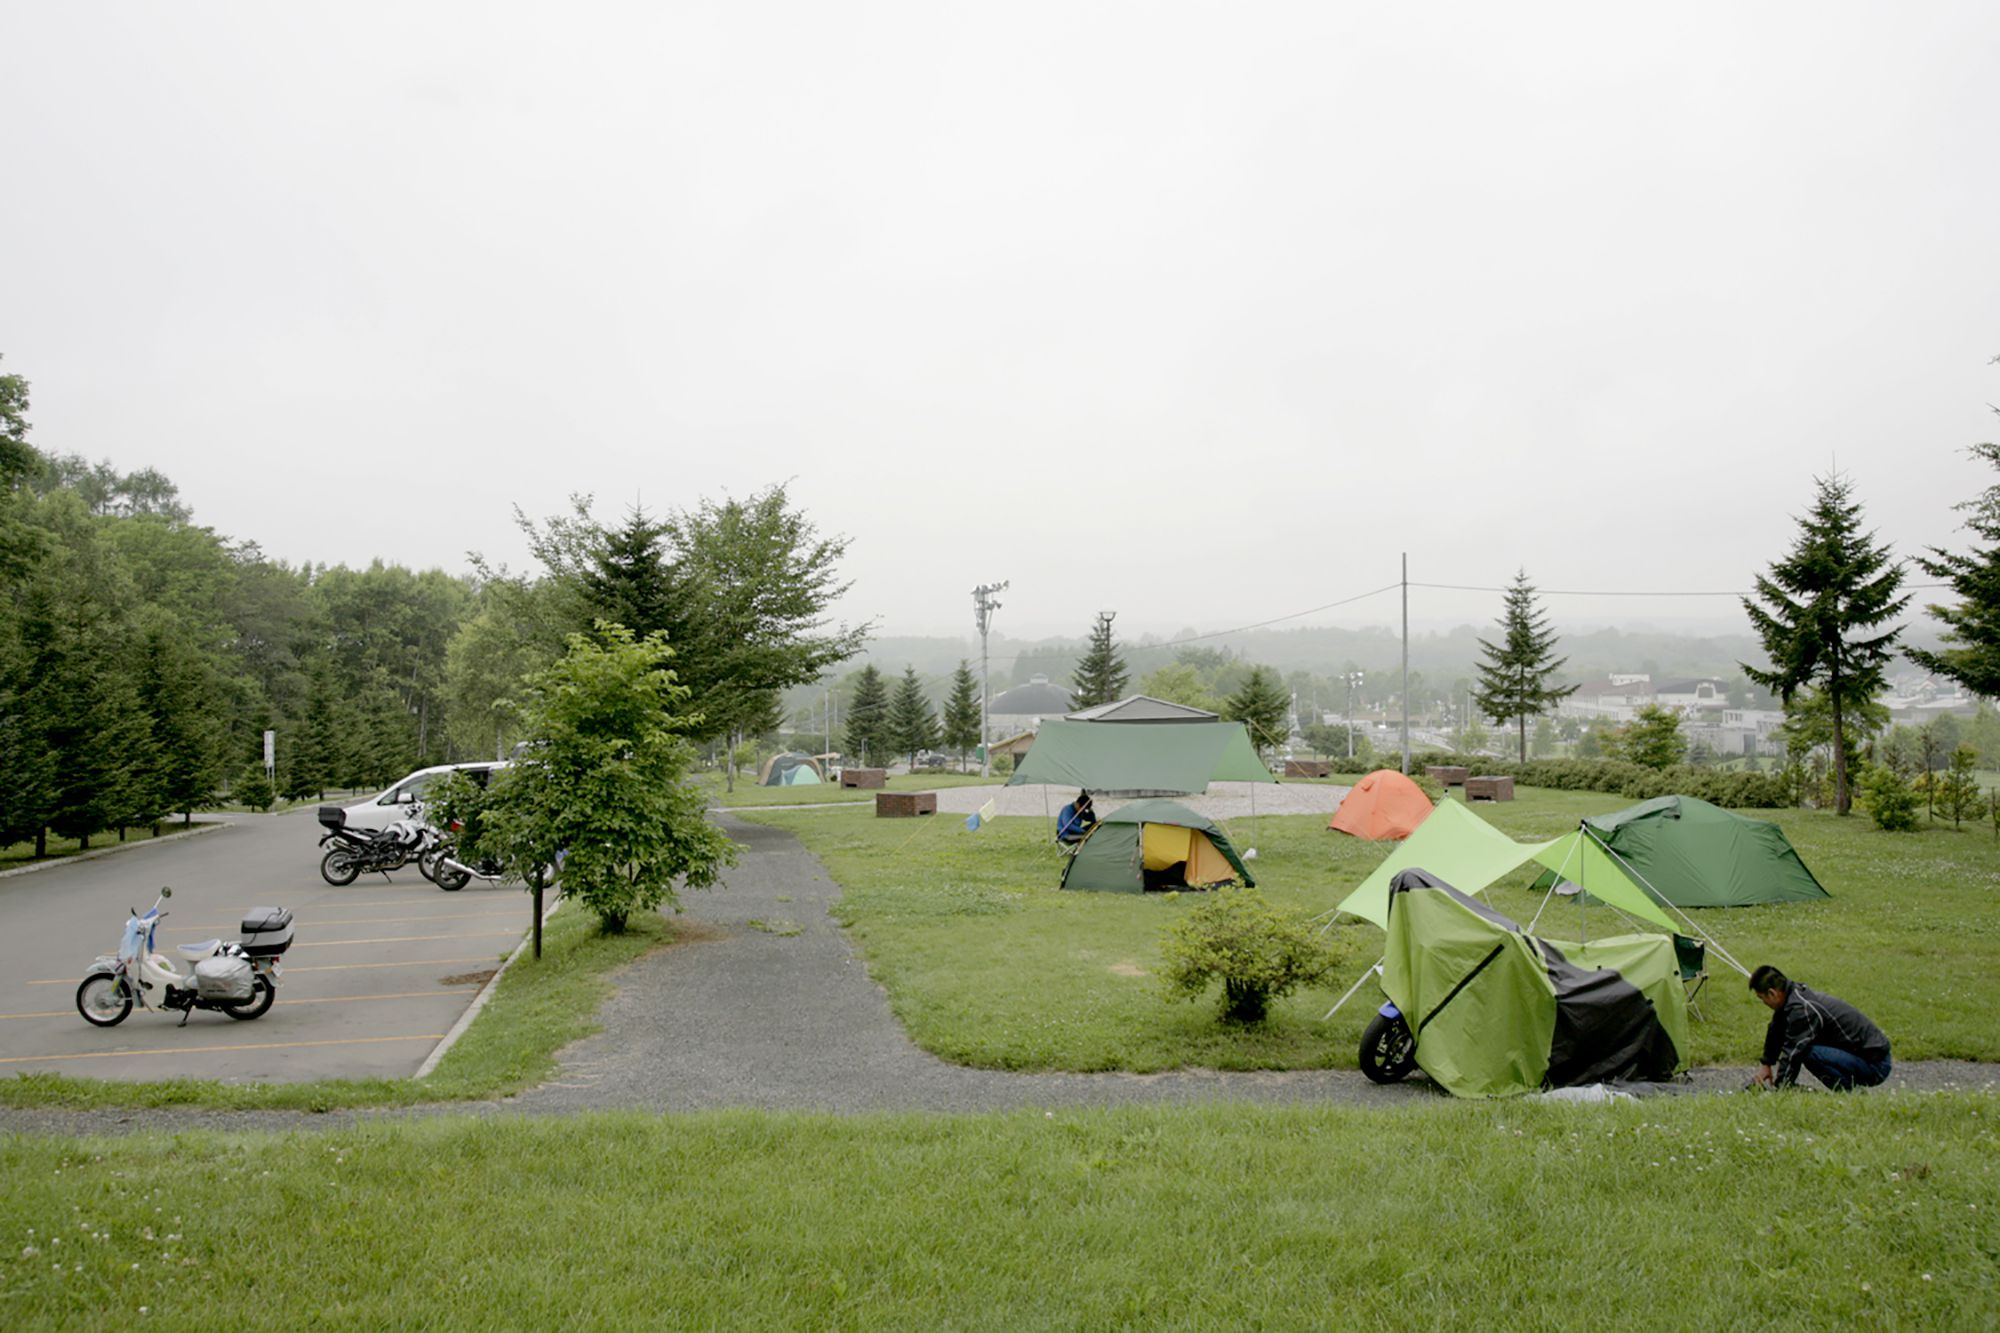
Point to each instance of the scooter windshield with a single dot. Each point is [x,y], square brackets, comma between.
[133,941]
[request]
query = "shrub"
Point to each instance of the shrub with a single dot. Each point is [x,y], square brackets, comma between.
[1259,951]
[1891,801]
[1429,786]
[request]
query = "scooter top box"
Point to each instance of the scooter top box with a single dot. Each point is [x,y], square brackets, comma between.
[267,930]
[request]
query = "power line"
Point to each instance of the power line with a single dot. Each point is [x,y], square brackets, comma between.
[1624,592]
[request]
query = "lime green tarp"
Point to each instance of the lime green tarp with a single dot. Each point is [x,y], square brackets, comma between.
[1494,1016]
[1180,757]
[1464,850]
[1487,1036]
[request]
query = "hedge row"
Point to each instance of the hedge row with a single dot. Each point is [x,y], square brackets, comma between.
[1632,781]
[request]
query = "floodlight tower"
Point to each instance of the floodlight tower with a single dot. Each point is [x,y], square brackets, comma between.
[984,604]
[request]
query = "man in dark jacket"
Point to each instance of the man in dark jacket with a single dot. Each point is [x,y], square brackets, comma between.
[1827,1035]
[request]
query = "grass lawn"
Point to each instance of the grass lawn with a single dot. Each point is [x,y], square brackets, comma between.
[749,794]
[988,964]
[539,1007]
[1760,1210]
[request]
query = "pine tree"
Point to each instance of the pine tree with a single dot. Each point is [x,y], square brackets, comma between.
[1260,704]
[866,733]
[1818,605]
[912,724]
[1972,633]
[961,712]
[1100,677]
[1514,677]
[179,696]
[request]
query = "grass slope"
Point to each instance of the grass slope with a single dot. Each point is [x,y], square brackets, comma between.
[988,964]
[1766,1211]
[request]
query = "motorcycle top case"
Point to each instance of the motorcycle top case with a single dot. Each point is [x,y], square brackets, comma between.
[224,978]
[267,931]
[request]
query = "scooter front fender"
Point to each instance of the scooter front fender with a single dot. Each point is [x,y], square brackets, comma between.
[1389,1010]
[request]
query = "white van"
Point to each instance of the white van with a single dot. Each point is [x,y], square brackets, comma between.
[404,800]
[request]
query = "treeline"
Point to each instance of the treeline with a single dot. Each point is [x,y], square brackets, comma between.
[143,656]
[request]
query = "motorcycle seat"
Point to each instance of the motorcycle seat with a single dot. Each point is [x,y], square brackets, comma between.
[199,951]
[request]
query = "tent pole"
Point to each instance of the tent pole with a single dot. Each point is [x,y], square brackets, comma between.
[1406,663]
[1686,920]
[1337,1004]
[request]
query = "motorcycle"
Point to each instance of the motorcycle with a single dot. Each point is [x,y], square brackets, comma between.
[239,978]
[357,849]
[1388,1047]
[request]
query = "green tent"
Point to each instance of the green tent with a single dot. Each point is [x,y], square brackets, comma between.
[1166,757]
[1459,847]
[1497,1011]
[1154,845]
[1693,854]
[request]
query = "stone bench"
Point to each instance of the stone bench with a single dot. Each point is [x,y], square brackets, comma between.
[864,777]
[1307,768]
[1448,775]
[904,804]
[1489,789]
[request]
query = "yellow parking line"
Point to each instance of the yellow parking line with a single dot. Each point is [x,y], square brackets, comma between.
[315,999]
[300,923]
[397,939]
[310,967]
[202,1050]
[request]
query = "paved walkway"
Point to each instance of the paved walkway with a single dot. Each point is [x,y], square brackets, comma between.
[737,1015]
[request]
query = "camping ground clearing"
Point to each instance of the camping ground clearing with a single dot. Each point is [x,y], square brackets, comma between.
[987,963]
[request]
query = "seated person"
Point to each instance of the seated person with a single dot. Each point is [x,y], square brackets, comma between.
[1075,819]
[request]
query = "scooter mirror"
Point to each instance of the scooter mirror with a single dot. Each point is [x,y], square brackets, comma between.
[166,893]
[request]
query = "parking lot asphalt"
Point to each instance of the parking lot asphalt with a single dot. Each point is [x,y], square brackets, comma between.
[378,971]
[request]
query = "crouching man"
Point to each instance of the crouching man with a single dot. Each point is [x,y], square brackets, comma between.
[1827,1035]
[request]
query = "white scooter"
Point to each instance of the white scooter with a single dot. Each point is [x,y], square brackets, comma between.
[239,978]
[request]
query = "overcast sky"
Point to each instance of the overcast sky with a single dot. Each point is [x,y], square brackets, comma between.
[1198,313]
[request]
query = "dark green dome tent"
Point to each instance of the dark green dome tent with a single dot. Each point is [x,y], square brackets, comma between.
[1154,845]
[1498,1012]
[1694,854]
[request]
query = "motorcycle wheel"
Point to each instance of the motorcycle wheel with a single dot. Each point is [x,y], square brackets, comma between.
[1388,1051]
[103,1000]
[263,996]
[449,879]
[427,863]
[338,867]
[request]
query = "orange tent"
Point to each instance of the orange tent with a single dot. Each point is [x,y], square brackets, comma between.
[1385,805]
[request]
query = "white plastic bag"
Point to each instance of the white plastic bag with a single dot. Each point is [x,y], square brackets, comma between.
[224,978]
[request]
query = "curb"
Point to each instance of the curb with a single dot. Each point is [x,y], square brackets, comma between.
[29,869]
[478,1001]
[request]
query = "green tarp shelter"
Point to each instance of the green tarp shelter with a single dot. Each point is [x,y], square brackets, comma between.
[790,770]
[1462,849]
[1497,1011]
[1179,758]
[1693,854]
[1154,845]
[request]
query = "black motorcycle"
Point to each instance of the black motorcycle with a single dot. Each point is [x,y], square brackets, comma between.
[354,850]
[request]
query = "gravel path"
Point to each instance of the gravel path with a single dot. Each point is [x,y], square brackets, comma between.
[782,1016]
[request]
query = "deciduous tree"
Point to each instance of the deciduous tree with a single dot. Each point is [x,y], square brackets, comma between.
[603,781]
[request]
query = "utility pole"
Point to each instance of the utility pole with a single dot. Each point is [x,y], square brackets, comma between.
[1353,679]
[984,604]
[1406,662]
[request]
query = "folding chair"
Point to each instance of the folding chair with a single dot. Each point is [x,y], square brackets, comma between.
[1692,955]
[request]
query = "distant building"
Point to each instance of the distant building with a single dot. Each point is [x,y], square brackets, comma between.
[1025,706]
[1142,708]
